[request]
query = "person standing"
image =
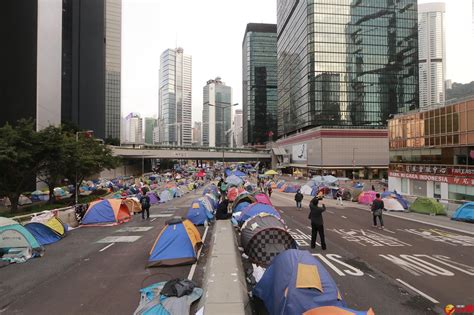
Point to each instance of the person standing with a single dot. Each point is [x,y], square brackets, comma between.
[223,190]
[317,224]
[377,210]
[145,202]
[298,199]
[339,197]
[270,190]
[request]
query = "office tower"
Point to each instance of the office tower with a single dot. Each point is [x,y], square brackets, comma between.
[197,133]
[150,124]
[259,82]
[91,65]
[345,63]
[431,45]
[133,125]
[175,96]
[30,62]
[217,114]
[238,140]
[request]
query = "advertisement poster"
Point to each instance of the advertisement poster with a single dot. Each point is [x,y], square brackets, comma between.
[299,152]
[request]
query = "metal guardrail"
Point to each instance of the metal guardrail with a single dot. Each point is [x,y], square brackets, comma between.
[27,217]
[191,148]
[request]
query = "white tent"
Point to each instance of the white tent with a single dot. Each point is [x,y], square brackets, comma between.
[392,204]
[306,190]
[165,196]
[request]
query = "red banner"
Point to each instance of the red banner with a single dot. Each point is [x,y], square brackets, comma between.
[435,178]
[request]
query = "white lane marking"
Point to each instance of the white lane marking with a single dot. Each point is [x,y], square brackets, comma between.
[164,215]
[344,217]
[332,212]
[426,296]
[329,264]
[153,219]
[371,276]
[193,267]
[135,229]
[106,247]
[387,230]
[119,239]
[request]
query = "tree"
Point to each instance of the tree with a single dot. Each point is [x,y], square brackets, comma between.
[112,141]
[20,158]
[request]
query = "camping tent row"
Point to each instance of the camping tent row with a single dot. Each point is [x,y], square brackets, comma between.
[19,243]
[202,210]
[297,283]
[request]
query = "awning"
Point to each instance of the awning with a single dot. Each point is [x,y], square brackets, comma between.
[279,151]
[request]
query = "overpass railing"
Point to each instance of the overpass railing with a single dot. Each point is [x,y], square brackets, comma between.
[192,148]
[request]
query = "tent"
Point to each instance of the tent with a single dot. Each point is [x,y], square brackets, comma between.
[43,233]
[165,196]
[464,213]
[106,212]
[397,196]
[198,214]
[263,198]
[392,204]
[213,200]
[133,204]
[153,198]
[336,310]
[306,189]
[329,179]
[367,197]
[427,206]
[16,243]
[51,221]
[271,172]
[256,208]
[241,206]
[232,193]
[355,192]
[207,203]
[239,173]
[291,188]
[280,184]
[233,180]
[39,195]
[244,197]
[176,244]
[263,237]
[297,282]
[211,189]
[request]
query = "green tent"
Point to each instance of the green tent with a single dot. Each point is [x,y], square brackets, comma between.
[355,192]
[427,206]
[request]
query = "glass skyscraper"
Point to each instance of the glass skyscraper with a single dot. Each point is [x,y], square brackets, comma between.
[345,63]
[259,82]
[217,114]
[175,97]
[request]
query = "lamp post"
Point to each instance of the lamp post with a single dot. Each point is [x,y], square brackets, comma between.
[353,164]
[89,133]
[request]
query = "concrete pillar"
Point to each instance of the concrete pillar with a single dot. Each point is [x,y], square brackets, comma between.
[429,189]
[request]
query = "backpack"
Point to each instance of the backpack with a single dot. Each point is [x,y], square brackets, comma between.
[145,202]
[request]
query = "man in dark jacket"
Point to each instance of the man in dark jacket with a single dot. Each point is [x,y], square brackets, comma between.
[222,210]
[298,199]
[377,210]
[145,202]
[317,224]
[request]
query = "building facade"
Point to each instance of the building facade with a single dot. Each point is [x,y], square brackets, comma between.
[150,125]
[432,52]
[259,83]
[197,133]
[238,140]
[432,152]
[175,98]
[133,133]
[217,114]
[345,64]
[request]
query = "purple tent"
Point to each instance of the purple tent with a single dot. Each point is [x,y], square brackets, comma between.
[153,198]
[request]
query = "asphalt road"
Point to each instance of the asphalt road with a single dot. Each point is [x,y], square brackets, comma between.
[408,268]
[85,274]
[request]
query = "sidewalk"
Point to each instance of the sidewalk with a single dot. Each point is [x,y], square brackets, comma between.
[224,280]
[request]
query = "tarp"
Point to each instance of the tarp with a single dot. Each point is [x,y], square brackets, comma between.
[42,233]
[106,212]
[256,208]
[464,213]
[176,244]
[198,214]
[263,198]
[397,196]
[297,282]
[16,242]
[427,206]
[263,237]
[367,197]
[392,204]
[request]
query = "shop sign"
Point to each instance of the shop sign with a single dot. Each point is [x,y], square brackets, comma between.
[435,178]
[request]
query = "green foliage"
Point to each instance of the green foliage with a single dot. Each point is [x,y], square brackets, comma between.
[112,141]
[460,90]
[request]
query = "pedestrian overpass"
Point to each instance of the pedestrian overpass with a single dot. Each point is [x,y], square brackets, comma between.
[190,153]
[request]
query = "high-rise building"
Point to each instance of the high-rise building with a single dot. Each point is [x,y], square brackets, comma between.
[259,82]
[30,61]
[175,98]
[91,65]
[150,124]
[133,133]
[431,43]
[238,140]
[197,133]
[217,114]
[345,63]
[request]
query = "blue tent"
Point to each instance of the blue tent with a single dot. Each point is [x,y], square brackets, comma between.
[42,233]
[291,188]
[314,191]
[212,189]
[198,213]
[397,196]
[297,282]
[241,206]
[464,213]
[239,173]
[256,208]
[175,245]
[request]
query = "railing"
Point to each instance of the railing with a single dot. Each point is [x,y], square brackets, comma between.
[27,217]
[192,148]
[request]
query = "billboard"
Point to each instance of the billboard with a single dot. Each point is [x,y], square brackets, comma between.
[299,152]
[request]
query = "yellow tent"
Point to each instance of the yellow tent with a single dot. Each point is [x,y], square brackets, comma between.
[56,225]
[133,205]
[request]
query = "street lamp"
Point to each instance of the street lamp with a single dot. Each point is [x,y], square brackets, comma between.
[89,134]
[353,164]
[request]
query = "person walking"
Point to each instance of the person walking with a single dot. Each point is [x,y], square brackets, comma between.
[298,199]
[339,197]
[145,202]
[270,190]
[377,210]
[317,223]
